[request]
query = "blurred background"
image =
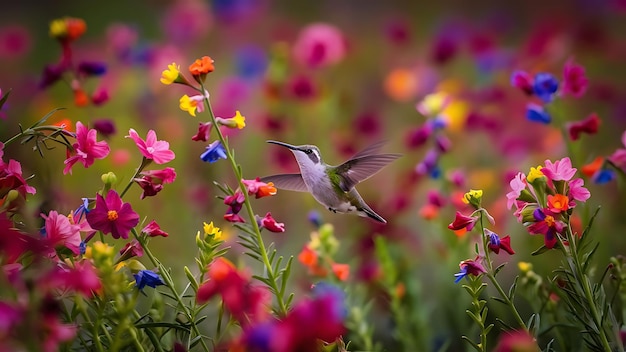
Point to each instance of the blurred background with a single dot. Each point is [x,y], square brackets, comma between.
[340,75]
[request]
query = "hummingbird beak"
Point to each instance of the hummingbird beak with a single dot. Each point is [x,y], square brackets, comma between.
[286,145]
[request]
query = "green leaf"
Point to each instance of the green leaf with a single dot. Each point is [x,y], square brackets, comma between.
[472,343]
[513,288]
[540,250]
[5,97]
[497,270]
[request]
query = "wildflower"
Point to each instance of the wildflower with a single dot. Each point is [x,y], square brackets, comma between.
[574,80]
[433,104]
[618,158]
[270,223]
[153,229]
[238,121]
[106,127]
[577,191]
[496,243]
[204,132]
[535,173]
[151,148]
[11,179]
[341,271]
[523,81]
[86,148]
[231,216]
[588,125]
[210,230]
[201,67]
[244,301]
[518,184]
[546,224]
[545,86]
[308,257]
[67,29]
[559,170]
[319,45]
[59,231]
[80,97]
[473,197]
[235,201]
[92,68]
[148,278]
[536,113]
[112,215]
[130,250]
[558,203]
[13,243]
[518,341]
[194,103]
[170,75]
[152,181]
[469,267]
[258,188]
[149,188]
[99,97]
[214,152]
[463,222]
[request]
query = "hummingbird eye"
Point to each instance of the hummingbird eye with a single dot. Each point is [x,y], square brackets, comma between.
[308,151]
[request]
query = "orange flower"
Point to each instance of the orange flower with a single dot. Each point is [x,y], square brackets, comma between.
[267,190]
[308,257]
[590,169]
[80,98]
[66,124]
[202,66]
[558,203]
[341,271]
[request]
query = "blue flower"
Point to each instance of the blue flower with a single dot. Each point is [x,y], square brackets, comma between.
[545,86]
[214,152]
[537,113]
[148,278]
[603,176]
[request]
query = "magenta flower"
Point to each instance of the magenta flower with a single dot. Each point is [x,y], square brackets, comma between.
[561,170]
[113,216]
[547,225]
[60,231]
[204,132]
[469,267]
[11,178]
[496,243]
[86,148]
[153,229]
[270,223]
[518,184]
[574,80]
[165,176]
[130,250]
[523,80]
[619,156]
[319,45]
[151,148]
[463,222]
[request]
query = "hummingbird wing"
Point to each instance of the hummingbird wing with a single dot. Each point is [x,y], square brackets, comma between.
[290,182]
[360,169]
[371,149]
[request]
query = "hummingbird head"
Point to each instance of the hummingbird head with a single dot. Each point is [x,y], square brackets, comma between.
[306,155]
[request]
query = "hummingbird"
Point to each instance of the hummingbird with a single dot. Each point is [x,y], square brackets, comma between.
[333,186]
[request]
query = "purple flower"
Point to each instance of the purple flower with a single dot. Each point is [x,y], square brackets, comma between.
[214,152]
[92,68]
[469,267]
[112,215]
[545,86]
[537,113]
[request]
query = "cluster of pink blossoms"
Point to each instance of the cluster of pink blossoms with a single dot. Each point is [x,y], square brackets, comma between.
[544,198]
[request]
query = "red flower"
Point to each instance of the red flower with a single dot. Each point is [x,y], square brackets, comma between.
[496,243]
[588,125]
[112,215]
[204,132]
[574,80]
[463,222]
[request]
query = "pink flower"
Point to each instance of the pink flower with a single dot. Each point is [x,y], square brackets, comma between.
[258,188]
[11,178]
[61,232]
[112,215]
[319,45]
[577,191]
[86,148]
[560,170]
[130,250]
[204,132]
[270,224]
[518,184]
[619,156]
[588,125]
[165,176]
[151,148]
[153,229]
[574,80]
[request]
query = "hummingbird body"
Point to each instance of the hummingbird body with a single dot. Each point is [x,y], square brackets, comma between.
[333,186]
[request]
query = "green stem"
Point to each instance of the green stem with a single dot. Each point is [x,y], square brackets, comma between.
[170,284]
[495,282]
[271,275]
[80,304]
[144,162]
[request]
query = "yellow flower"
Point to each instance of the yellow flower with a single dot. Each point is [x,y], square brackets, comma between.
[473,196]
[58,28]
[239,120]
[535,173]
[188,104]
[524,267]
[211,230]
[171,74]
[102,249]
[433,104]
